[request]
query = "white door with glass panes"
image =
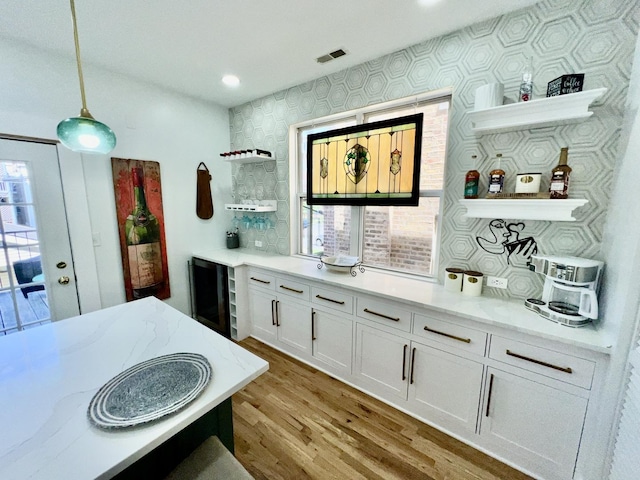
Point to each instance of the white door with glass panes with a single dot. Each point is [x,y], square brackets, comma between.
[37,279]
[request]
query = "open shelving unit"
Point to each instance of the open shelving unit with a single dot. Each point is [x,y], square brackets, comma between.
[233,306]
[267,206]
[558,210]
[543,112]
[252,159]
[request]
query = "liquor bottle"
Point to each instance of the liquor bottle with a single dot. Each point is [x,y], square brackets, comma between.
[471,181]
[559,186]
[526,85]
[496,177]
[142,232]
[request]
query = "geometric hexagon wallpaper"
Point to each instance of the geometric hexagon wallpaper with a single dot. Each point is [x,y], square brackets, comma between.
[594,37]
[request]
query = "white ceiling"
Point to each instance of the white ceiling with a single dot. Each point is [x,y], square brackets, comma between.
[188,45]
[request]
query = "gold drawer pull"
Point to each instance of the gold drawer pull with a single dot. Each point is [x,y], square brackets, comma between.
[381,315]
[339,302]
[261,281]
[292,289]
[540,362]
[448,335]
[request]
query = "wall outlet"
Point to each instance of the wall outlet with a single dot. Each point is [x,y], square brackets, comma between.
[496,282]
[259,245]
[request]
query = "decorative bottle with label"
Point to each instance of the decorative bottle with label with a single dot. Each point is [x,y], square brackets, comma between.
[471,181]
[496,177]
[142,231]
[559,186]
[526,85]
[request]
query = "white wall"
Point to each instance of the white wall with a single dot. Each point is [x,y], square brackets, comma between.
[621,247]
[37,90]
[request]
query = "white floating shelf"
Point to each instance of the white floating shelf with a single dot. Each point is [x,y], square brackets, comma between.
[560,210]
[267,206]
[543,112]
[254,159]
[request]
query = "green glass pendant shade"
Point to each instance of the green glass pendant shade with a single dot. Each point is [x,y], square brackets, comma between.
[86,135]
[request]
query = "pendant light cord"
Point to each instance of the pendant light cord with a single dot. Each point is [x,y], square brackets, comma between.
[84,112]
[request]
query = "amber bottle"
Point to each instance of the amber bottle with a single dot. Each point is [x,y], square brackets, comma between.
[559,186]
[496,177]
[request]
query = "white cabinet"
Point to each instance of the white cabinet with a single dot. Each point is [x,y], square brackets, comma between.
[445,388]
[282,317]
[332,337]
[435,385]
[382,361]
[534,425]
[262,310]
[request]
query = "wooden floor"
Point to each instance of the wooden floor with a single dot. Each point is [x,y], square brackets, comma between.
[294,422]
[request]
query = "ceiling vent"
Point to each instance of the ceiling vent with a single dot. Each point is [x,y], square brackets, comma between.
[331,56]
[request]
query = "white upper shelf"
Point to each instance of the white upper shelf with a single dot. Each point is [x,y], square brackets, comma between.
[253,159]
[544,112]
[558,210]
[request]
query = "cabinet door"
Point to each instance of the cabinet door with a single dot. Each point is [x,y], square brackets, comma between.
[537,426]
[333,340]
[294,324]
[260,306]
[445,388]
[382,361]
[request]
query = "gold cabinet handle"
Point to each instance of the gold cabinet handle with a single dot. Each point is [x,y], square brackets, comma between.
[292,289]
[339,302]
[486,413]
[261,281]
[539,362]
[404,362]
[413,364]
[381,315]
[448,335]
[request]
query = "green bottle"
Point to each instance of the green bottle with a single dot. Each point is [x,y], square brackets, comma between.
[142,231]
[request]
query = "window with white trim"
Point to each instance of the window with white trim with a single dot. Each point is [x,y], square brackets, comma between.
[401,239]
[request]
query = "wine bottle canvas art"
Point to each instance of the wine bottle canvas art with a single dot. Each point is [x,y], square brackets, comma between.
[138,195]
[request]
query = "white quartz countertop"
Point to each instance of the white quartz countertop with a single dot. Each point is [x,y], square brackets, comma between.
[510,314]
[49,374]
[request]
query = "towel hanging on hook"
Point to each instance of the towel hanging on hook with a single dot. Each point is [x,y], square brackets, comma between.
[204,202]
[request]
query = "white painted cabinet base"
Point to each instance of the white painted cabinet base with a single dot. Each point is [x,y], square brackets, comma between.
[536,425]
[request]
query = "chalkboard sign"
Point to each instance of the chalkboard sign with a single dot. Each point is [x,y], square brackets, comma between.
[565,84]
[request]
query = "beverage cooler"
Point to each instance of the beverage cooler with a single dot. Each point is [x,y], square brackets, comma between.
[210,295]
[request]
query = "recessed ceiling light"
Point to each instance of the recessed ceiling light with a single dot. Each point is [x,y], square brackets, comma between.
[231,80]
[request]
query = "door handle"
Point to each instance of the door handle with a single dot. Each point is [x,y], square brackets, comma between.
[382,315]
[313,325]
[277,314]
[61,265]
[486,414]
[63,280]
[413,364]
[273,316]
[404,362]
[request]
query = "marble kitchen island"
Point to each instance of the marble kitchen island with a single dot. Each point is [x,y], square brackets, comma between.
[49,374]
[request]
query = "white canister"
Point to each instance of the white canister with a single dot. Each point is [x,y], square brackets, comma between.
[528,182]
[488,96]
[453,279]
[472,283]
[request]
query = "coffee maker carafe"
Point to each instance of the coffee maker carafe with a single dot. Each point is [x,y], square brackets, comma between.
[570,289]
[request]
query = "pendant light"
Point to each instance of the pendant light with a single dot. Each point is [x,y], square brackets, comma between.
[83,133]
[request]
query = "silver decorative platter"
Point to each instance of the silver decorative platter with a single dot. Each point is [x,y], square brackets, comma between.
[342,264]
[150,390]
